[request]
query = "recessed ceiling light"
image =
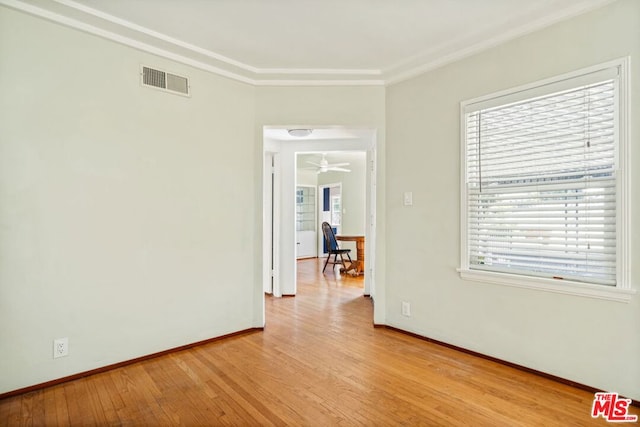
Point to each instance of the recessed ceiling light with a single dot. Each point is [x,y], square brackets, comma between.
[300,133]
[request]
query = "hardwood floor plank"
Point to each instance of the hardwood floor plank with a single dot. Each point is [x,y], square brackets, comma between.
[61,409]
[109,402]
[10,411]
[49,416]
[319,361]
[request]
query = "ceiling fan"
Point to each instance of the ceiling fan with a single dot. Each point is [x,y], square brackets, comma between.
[325,166]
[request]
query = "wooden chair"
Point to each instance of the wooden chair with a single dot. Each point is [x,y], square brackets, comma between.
[333,248]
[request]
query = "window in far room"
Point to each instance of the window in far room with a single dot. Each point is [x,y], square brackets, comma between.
[544,184]
[336,210]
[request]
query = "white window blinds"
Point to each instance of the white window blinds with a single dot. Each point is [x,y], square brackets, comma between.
[541,185]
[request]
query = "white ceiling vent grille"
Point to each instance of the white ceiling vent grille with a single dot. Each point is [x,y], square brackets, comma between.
[165,81]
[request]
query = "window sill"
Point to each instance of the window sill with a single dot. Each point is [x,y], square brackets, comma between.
[550,285]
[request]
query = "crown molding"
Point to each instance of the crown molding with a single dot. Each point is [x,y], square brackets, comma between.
[443,55]
[83,18]
[319,82]
[153,34]
[92,21]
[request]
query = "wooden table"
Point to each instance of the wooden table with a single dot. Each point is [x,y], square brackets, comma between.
[357,266]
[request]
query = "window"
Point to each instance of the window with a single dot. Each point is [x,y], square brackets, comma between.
[544,184]
[336,209]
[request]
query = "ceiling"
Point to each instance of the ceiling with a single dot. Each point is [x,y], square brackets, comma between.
[309,42]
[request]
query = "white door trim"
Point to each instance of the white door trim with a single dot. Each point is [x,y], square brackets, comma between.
[270,224]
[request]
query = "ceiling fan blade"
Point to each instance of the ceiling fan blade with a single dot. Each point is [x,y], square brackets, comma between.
[340,170]
[337,165]
[314,164]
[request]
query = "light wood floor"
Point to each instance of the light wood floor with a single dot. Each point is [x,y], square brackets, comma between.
[318,362]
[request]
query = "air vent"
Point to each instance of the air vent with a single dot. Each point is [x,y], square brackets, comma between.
[165,81]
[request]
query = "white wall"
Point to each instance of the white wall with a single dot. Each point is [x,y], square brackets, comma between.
[306,177]
[590,341]
[353,192]
[127,215]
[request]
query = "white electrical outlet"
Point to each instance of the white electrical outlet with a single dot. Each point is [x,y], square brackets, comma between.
[406,309]
[407,198]
[60,347]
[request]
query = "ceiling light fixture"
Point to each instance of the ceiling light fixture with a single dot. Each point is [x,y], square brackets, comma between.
[300,133]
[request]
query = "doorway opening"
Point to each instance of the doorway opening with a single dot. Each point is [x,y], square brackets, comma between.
[279,199]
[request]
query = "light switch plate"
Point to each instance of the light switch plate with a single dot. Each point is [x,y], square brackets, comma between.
[408,198]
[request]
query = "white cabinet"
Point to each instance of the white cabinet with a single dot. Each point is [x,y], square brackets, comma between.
[306,235]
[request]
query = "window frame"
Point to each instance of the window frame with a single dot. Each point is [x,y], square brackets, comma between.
[622,291]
